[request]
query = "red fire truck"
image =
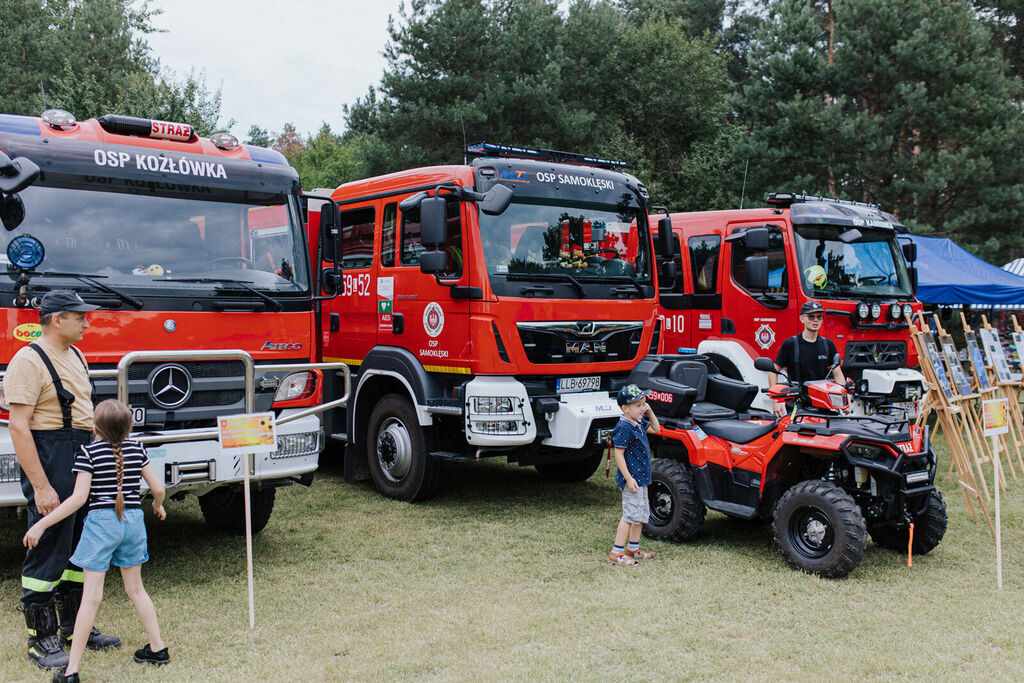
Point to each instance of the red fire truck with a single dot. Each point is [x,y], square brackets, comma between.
[196,250]
[744,274]
[488,309]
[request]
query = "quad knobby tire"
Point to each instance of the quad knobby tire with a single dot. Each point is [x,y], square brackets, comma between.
[397,454]
[677,513]
[224,508]
[819,529]
[929,528]
[572,470]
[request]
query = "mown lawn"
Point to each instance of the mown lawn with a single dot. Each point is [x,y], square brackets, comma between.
[504,576]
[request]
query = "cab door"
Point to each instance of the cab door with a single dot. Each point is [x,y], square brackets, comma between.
[426,319]
[706,316]
[355,309]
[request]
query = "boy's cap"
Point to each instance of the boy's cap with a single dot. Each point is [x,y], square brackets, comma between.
[63,300]
[631,393]
[811,307]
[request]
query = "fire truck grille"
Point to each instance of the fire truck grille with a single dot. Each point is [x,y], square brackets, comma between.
[883,355]
[580,342]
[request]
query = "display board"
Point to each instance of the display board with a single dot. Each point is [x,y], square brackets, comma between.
[994,351]
[977,360]
[956,370]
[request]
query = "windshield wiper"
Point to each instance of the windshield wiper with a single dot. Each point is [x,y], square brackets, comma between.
[549,277]
[630,278]
[278,306]
[136,303]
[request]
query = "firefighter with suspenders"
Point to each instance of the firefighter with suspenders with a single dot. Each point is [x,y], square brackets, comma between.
[48,389]
[806,356]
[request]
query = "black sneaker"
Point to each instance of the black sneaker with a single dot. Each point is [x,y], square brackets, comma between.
[65,678]
[144,655]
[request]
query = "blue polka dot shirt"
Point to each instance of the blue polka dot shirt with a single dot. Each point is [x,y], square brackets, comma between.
[633,438]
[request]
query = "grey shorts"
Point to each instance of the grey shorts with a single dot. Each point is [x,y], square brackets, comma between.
[636,509]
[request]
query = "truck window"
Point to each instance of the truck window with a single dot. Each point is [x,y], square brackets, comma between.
[412,246]
[387,235]
[357,238]
[778,279]
[704,262]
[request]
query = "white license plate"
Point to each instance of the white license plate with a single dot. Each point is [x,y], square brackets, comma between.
[138,416]
[566,385]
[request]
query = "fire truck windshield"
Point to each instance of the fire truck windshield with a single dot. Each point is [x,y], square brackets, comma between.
[595,245]
[145,241]
[869,263]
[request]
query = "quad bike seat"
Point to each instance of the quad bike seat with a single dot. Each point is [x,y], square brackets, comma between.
[718,397]
[737,431]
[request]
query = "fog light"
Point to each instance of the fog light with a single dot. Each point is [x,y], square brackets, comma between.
[296,445]
[492,405]
[9,470]
[876,311]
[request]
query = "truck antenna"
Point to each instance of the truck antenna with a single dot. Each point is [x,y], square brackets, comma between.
[465,157]
[744,190]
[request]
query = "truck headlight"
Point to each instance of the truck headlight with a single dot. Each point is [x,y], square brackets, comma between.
[296,385]
[9,470]
[492,405]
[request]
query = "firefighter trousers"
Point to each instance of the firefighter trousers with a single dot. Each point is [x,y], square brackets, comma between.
[48,564]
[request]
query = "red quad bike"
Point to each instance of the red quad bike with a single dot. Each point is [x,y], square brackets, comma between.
[825,479]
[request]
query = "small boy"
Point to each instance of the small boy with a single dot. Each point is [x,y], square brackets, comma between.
[633,461]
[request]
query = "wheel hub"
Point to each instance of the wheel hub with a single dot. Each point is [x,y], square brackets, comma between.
[394,449]
[815,532]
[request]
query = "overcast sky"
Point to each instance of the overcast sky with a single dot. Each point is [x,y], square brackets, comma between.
[277,62]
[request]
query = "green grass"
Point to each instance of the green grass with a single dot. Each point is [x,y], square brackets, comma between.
[504,576]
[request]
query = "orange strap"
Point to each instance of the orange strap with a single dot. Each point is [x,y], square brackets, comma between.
[910,546]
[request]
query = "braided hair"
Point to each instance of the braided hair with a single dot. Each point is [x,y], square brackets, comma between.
[113,422]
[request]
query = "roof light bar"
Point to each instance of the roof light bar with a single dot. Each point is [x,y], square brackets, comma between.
[785,199]
[486,149]
[146,128]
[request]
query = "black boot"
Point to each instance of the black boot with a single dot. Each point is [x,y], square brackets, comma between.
[43,644]
[65,678]
[68,598]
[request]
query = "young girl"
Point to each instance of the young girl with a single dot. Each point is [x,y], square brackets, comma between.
[109,472]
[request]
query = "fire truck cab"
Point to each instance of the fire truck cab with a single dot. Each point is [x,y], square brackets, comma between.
[744,274]
[488,309]
[196,251]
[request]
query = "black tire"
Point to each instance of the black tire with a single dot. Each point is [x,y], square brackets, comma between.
[397,454]
[929,528]
[224,508]
[677,513]
[572,470]
[819,529]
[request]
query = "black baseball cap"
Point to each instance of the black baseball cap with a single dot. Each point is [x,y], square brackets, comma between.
[63,300]
[811,307]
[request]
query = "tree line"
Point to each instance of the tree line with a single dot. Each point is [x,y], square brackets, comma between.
[911,104]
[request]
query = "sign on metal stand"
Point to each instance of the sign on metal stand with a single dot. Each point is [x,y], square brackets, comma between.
[244,435]
[996,420]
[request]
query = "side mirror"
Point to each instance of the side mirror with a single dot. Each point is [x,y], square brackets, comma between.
[664,240]
[434,221]
[912,274]
[756,269]
[12,211]
[16,174]
[909,251]
[756,239]
[330,232]
[764,364]
[433,262]
[496,200]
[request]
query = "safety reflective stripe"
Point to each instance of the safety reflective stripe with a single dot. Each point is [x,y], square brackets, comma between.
[73,576]
[38,585]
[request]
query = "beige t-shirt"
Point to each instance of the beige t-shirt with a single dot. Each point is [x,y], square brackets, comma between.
[28,381]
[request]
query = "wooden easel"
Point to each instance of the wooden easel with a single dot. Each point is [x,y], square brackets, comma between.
[948,415]
[1010,389]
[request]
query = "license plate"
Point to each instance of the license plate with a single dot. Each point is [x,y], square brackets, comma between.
[571,384]
[138,416]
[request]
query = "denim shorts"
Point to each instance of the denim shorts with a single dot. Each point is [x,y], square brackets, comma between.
[107,540]
[636,508]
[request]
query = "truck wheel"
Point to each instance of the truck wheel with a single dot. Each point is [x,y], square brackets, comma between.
[571,471]
[929,528]
[819,529]
[677,513]
[397,454]
[224,508]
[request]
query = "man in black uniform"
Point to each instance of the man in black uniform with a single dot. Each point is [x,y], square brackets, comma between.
[47,386]
[806,356]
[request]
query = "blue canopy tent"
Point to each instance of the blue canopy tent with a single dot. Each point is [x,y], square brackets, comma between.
[949,274]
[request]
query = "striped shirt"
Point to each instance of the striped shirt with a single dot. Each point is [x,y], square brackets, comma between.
[98,459]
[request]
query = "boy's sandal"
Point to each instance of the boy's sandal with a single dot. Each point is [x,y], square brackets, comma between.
[640,554]
[621,558]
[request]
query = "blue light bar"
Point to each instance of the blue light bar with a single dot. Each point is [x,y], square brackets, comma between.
[486,149]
